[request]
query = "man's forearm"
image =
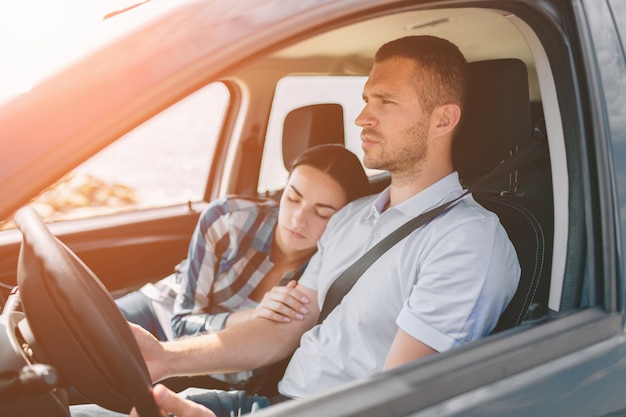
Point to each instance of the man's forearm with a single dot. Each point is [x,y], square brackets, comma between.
[242,347]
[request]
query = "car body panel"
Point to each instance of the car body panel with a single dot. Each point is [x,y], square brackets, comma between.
[608,70]
[570,362]
[481,376]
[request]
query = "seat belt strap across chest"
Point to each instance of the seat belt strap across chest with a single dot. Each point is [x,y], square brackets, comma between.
[348,278]
[528,152]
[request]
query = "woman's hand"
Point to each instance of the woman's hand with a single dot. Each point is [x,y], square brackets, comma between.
[172,404]
[283,304]
[280,304]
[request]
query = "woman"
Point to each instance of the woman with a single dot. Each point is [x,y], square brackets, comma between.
[243,248]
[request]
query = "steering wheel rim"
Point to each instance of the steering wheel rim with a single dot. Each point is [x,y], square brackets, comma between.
[76,323]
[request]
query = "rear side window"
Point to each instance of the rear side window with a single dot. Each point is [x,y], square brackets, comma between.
[346,91]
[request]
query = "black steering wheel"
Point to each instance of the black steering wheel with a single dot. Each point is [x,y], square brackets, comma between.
[76,324]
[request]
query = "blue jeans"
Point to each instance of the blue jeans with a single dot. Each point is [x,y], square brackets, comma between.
[222,403]
[137,308]
[227,403]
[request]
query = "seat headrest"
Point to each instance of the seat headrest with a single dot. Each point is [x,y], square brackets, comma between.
[496,116]
[309,126]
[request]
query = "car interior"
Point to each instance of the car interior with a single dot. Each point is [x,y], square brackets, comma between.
[504,111]
[497,123]
[511,102]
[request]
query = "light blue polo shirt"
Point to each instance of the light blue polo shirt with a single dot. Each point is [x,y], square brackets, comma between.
[446,284]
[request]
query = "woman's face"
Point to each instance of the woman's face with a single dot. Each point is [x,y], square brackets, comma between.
[310,198]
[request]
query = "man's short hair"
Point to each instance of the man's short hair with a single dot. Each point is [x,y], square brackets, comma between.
[440,65]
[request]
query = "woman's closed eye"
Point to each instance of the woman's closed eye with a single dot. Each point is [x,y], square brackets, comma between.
[324,213]
[293,199]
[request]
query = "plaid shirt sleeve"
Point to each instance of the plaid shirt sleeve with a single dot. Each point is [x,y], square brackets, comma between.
[221,237]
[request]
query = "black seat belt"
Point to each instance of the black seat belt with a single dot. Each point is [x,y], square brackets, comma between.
[528,152]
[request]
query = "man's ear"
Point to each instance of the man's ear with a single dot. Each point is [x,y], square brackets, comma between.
[445,119]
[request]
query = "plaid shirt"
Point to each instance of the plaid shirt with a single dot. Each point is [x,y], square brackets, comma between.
[228,257]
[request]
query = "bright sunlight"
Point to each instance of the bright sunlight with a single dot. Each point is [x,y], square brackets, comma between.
[37,36]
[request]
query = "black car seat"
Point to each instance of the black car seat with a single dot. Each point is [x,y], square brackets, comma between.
[496,121]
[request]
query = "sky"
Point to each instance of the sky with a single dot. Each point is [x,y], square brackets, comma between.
[36,36]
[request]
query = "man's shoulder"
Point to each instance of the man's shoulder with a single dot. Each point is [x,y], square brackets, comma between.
[470,220]
[471,209]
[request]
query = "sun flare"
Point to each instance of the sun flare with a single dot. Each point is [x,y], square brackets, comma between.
[38,35]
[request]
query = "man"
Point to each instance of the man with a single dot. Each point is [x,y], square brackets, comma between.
[444,285]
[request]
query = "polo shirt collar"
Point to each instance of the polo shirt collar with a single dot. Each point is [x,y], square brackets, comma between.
[443,190]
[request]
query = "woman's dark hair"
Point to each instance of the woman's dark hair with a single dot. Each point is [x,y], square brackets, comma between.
[339,163]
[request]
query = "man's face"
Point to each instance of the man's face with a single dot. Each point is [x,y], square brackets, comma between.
[395,128]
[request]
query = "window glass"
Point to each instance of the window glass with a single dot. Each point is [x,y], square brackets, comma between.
[162,162]
[346,91]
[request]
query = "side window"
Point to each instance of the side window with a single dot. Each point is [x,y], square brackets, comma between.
[164,161]
[346,91]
